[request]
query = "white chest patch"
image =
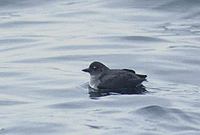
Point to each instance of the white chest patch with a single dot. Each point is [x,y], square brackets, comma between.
[94,82]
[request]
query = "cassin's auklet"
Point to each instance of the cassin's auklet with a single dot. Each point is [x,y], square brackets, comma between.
[101,77]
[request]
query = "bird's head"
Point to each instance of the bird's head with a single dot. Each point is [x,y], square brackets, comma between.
[95,68]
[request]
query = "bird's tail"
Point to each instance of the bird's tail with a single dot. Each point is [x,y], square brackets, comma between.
[142,76]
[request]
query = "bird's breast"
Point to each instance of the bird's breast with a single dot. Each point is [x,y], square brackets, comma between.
[94,82]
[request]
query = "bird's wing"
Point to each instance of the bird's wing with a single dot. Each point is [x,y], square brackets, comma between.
[121,80]
[129,70]
[132,71]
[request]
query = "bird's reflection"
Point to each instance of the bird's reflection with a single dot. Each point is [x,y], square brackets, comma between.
[94,94]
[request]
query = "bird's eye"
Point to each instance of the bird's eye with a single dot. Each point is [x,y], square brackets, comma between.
[94,67]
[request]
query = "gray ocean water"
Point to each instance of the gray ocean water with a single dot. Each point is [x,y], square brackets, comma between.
[44,44]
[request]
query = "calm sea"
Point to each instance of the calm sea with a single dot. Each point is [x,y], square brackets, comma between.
[44,44]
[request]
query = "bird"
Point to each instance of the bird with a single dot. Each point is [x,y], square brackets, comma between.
[114,80]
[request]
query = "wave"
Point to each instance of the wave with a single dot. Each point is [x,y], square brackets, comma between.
[170,117]
[180,6]
[22,3]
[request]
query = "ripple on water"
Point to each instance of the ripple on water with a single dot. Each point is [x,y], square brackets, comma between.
[133,4]
[169,118]
[145,39]
[180,5]
[9,102]
[10,74]
[44,46]
[15,41]
[19,24]
[117,101]
[27,127]
[22,3]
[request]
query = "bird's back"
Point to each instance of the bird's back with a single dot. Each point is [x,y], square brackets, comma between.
[119,79]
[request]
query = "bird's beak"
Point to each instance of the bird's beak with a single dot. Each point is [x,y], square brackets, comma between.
[86,70]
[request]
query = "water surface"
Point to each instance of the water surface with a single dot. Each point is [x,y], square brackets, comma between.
[44,44]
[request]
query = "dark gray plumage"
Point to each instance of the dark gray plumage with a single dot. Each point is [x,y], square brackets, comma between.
[101,77]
